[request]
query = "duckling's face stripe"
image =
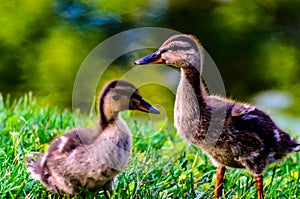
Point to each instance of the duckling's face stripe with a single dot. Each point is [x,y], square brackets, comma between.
[116,100]
[124,99]
[126,92]
[179,50]
[120,96]
[182,51]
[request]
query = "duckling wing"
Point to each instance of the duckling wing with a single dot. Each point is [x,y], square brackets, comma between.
[66,143]
[73,139]
[42,166]
[247,138]
[65,165]
[260,124]
[254,138]
[71,162]
[243,121]
[247,119]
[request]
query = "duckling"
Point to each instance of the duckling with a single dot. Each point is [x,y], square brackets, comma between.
[92,157]
[248,138]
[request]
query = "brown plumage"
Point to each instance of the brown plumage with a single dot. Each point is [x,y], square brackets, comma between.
[91,157]
[233,134]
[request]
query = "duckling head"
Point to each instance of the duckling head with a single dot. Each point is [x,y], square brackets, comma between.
[119,96]
[182,51]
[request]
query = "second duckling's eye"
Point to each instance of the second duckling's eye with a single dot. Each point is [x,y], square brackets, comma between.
[116,97]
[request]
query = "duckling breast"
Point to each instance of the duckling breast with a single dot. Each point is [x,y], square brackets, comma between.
[112,148]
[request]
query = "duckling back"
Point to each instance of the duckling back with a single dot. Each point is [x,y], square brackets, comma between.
[70,163]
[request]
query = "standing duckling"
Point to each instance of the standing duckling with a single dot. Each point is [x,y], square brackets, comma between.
[248,137]
[87,157]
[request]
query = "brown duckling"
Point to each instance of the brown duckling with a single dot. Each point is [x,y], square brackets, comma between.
[92,157]
[248,138]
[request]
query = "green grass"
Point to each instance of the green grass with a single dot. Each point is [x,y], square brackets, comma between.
[162,165]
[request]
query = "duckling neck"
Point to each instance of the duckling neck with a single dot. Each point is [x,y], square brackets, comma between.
[190,79]
[191,111]
[107,116]
[105,119]
[192,76]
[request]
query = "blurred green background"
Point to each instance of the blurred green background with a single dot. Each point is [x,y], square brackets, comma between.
[255,45]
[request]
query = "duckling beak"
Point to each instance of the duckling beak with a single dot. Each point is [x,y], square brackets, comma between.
[146,107]
[154,58]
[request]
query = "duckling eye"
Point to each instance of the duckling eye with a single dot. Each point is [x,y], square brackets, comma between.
[116,97]
[163,51]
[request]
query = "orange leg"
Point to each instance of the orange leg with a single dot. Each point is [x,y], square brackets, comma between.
[259,186]
[219,184]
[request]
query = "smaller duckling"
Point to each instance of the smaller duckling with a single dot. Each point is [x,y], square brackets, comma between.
[92,157]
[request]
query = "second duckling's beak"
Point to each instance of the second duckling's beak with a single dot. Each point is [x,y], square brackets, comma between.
[146,107]
[154,58]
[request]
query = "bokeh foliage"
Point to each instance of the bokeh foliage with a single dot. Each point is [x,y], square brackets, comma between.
[255,44]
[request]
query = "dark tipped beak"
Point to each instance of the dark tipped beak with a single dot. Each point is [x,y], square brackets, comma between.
[154,58]
[146,107]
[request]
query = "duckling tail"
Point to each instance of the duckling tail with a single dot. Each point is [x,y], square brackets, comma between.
[34,166]
[294,146]
[297,148]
